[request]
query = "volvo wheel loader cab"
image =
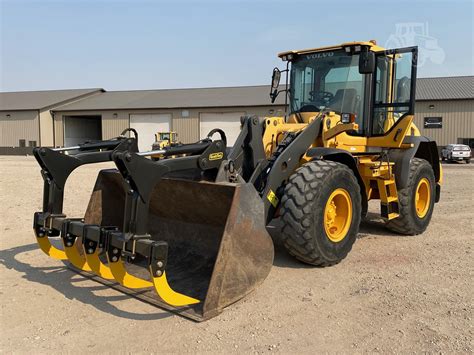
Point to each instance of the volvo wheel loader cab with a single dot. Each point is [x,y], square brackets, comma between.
[184,226]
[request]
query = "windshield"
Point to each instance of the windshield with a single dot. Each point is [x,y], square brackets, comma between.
[465,148]
[327,80]
[164,136]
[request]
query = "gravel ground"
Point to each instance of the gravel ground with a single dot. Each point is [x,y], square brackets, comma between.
[392,294]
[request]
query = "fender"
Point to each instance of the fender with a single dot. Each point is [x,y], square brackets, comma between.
[428,150]
[423,148]
[343,157]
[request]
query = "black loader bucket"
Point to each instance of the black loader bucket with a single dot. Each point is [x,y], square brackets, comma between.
[218,246]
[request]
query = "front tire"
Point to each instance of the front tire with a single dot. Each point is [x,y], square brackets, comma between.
[321,212]
[416,200]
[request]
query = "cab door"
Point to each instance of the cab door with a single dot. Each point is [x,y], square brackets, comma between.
[393,97]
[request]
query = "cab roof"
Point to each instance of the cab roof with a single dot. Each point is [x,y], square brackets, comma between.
[371,44]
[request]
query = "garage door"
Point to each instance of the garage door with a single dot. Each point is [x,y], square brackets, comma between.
[79,129]
[147,125]
[229,122]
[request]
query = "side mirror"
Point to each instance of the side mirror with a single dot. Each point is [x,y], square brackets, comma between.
[276,78]
[275,84]
[367,62]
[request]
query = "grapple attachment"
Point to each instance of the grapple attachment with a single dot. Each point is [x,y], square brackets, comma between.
[218,247]
[162,231]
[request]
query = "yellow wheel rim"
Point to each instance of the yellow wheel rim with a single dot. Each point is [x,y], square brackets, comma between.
[338,215]
[422,198]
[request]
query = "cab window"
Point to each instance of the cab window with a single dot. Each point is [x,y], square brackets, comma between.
[392,96]
[328,81]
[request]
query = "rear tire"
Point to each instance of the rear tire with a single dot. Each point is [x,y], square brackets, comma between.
[412,221]
[310,197]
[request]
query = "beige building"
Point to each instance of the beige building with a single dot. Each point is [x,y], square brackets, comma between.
[192,113]
[444,109]
[26,118]
[444,112]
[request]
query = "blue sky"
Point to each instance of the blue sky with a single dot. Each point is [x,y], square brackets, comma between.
[123,45]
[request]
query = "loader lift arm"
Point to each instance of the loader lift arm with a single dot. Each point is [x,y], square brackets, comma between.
[248,159]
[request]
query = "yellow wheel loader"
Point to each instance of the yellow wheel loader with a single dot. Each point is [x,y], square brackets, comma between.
[163,140]
[188,232]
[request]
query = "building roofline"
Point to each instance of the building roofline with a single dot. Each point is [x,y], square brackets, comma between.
[164,108]
[194,88]
[63,101]
[48,90]
[149,99]
[71,100]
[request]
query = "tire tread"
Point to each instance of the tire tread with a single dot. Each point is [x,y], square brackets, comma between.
[405,224]
[297,210]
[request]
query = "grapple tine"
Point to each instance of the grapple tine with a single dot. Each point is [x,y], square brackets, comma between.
[42,234]
[72,247]
[75,257]
[50,250]
[92,248]
[168,295]
[97,266]
[121,275]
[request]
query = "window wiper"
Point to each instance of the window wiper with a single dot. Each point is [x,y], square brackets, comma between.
[297,113]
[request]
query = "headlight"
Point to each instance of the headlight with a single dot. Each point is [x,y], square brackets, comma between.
[348,118]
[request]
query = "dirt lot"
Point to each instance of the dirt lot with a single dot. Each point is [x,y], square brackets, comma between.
[392,294]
